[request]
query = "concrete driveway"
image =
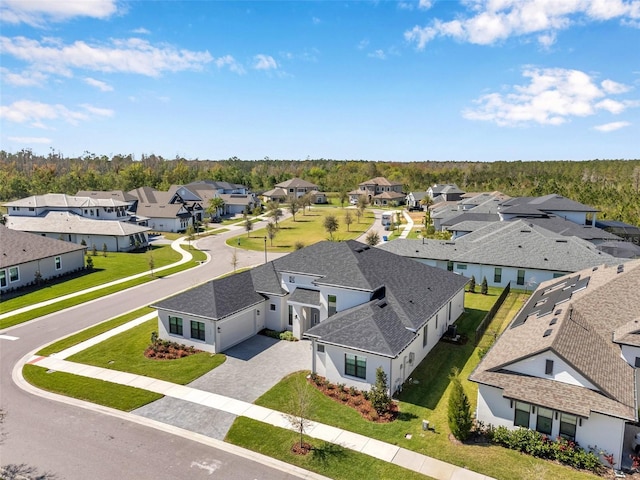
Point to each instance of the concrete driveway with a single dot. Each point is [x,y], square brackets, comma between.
[252,367]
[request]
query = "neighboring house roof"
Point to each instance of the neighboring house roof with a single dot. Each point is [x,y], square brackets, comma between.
[111,194]
[478,198]
[162,210]
[469,216]
[508,244]
[576,317]
[276,193]
[620,249]
[448,189]
[380,181]
[389,196]
[61,200]
[70,223]
[552,202]
[296,183]
[437,189]
[147,195]
[417,196]
[216,184]
[305,296]
[18,247]
[237,198]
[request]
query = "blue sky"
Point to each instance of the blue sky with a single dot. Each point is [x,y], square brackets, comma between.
[411,80]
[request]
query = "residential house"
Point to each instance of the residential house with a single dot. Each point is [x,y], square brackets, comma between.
[552,204]
[361,307]
[378,191]
[160,214]
[448,192]
[566,365]
[515,252]
[295,187]
[92,208]
[26,258]
[414,199]
[197,195]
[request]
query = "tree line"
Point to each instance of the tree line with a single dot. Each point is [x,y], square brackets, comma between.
[612,186]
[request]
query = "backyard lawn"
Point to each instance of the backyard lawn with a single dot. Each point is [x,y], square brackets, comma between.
[307,228]
[427,398]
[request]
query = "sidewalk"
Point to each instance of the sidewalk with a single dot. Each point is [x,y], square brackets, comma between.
[390,453]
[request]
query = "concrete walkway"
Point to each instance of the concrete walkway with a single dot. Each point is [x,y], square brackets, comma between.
[408,227]
[353,441]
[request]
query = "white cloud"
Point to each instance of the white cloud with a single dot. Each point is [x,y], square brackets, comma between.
[610,86]
[610,127]
[141,31]
[37,12]
[363,44]
[379,54]
[37,113]
[264,62]
[26,78]
[131,55]
[488,22]
[425,4]
[231,63]
[100,85]
[552,97]
[30,140]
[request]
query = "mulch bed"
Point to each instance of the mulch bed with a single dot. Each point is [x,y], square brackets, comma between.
[355,399]
[303,449]
[164,350]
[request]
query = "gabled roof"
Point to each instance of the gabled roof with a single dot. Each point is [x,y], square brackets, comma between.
[547,203]
[296,183]
[111,194]
[162,210]
[389,196]
[21,247]
[276,193]
[508,244]
[417,196]
[437,189]
[469,216]
[148,195]
[70,223]
[576,317]
[62,200]
[237,198]
[380,181]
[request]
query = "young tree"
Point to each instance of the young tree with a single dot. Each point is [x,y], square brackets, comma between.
[300,405]
[272,231]
[358,214]
[152,262]
[234,259]
[94,250]
[372,239]
[305,201]
[248,226]
[298,245]
[459,411]
[330,225]
[484,288]
[191,235]
[294,206]
[348,219]
[472,284]
[89,263]
[363,201]
[104,249]
[274,211]
[379,394]
[216,205]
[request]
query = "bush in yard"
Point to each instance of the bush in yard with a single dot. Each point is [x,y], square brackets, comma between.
[288,336]
[484,288]
[472,284]
[459,411]
[378,394]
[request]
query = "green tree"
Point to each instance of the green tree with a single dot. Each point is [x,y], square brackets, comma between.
[294,206]
[248,226]
[472,284]
[348,219]
[89,263]
[484,288]
[330,225]
[372,239]
[459,411]
[300,407]
[272,231]
[379,394]
[151,262]
[362,204]
[104,249]
[343,196]
[215,207]
[191,234]
[274,211]
[94,250]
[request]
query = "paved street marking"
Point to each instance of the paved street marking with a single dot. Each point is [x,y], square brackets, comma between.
[8,337]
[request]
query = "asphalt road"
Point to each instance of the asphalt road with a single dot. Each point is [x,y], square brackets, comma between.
[79,443]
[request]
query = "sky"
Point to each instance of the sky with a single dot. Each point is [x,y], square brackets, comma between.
[407,80]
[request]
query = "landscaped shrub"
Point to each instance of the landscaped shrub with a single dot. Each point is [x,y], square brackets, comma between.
[541,446]
[379,397]
[288,336]
[166,350]
[459,411]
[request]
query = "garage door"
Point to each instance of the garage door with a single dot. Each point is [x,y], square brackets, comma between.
[236,330]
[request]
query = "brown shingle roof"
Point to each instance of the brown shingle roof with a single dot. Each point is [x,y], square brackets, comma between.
[21,247]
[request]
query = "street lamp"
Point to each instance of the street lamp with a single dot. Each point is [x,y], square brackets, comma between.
[265,249]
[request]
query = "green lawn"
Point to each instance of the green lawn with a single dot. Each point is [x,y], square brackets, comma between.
[93,331]
[104,393]
[326,459]
[125,352]
[307,228]
[428,400]
[198,257]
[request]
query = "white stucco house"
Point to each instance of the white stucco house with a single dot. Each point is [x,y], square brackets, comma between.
[361,307]
[566,365]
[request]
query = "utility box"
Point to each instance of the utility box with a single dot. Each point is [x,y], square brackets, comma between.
[425,425]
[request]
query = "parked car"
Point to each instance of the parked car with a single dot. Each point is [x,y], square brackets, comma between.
[415,208]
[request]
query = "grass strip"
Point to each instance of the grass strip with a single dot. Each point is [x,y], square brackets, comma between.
[121,397]
[125,352]
[198,256]
[327,459]
[93,331]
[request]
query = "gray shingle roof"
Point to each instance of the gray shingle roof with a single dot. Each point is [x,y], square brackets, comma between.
[380,181]
[582,336]
[547,203]
[296,183]
[70,223]
[21,247]
[305,296]
[61,200]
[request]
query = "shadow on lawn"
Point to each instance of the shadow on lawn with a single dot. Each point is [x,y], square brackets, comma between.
[432,373]
[328,452]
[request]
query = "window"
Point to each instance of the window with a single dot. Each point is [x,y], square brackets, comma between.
[436,322]
[637,364]
[290,314]
[425,331]
[548,368]
[520,277]
[568,426]
[292,279]
[544,420]
[320,348]
[3,278]
[497,275]
[462,266]
[175,325]
[355,366]
[450,266]
[332,305]
[197,330]
[558,275]
[272,307]
[14,274]
[522,415]
[58,262]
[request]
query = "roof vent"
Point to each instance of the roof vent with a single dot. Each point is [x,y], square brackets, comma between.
[381,303]
[547,333]
[553,321]
[620,268]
